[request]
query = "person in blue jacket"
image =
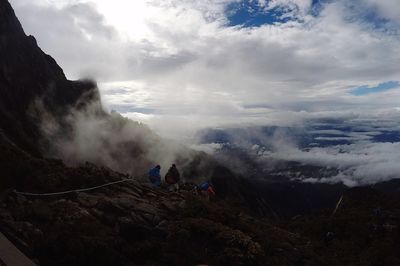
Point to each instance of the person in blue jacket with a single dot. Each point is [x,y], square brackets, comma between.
[206,189]
[154,176]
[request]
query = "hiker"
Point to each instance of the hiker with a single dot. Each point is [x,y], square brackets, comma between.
[172,178]
[154,176]
[206,189]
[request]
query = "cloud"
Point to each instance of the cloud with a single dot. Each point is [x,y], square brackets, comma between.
[86,134]
[387,9]
[358,164]
[354,150]
[296,8]
[178,64]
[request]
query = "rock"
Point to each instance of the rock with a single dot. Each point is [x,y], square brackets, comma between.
[163,226]
[131,230]
[156,220]
[122,220]
[6,216]
[87,200]
[110,206]
[238,239]
[182,204]
[30,231]
[169,206]
[148,217]
[137,189]
[96,213]
[125,203]
[40,210]
[131,192]
[147,208]
[20,199]
[138,218]
[240,249]
[104,217]
[285,246]
[233,256]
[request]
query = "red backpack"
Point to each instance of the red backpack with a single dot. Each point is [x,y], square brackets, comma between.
[169,179]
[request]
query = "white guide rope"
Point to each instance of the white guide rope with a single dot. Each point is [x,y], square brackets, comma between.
[70,191]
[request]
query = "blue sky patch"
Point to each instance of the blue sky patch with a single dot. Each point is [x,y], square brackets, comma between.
[318,6]
[249,13]
[363,90]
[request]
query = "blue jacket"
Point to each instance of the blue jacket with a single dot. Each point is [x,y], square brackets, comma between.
[155,172]
[204,186]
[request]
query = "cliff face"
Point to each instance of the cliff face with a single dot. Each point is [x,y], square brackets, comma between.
[27,74]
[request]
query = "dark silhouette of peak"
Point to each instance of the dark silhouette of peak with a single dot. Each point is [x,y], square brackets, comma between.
[9,23]
[27,74]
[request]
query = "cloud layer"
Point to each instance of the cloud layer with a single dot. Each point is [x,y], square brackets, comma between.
[172,62]
[354,151]
[358,164]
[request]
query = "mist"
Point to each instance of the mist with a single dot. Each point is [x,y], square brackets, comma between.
[88,133]
[122,144]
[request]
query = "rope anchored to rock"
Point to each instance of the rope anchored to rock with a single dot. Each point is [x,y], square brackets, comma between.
[71,191]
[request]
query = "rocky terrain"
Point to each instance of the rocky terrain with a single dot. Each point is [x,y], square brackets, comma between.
[248,222]
[132,224]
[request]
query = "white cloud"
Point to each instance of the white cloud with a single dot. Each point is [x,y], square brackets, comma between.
[296,8]
[207,148]
[358,164]
[179,65]
[388,9]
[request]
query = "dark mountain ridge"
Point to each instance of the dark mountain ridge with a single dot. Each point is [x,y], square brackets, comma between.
[28,75]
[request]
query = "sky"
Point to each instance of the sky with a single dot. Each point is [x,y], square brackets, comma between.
[184,65]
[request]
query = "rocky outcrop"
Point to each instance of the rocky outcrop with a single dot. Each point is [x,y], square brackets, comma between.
[132,224]
[28,75]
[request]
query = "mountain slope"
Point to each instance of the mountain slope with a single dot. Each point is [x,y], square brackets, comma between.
[131,224]
[28,75]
